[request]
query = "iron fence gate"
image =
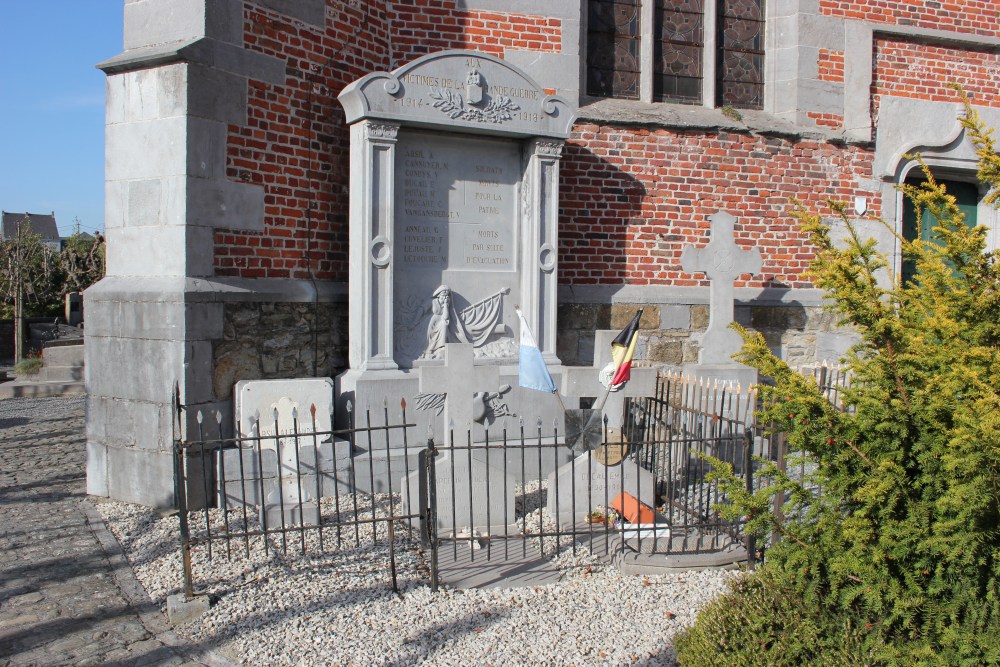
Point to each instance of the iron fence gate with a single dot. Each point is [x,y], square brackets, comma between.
[520,492]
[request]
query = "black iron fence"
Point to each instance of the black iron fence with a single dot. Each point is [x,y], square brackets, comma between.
[642,490]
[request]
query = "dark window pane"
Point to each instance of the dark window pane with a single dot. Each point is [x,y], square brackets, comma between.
[678,50]
[613,48]
[740,64]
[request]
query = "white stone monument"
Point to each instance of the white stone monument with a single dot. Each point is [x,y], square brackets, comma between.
[279,467]
[722,260]
[473,496]
[453,222]
[580,486]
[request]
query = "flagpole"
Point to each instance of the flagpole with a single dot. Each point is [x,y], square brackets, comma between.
[559,397]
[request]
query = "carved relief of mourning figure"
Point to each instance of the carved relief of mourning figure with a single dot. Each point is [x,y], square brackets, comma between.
[472,325]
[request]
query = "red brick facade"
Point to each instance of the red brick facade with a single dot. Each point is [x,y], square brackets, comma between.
[630,197]
[975,17]
[295,143]
[910,69]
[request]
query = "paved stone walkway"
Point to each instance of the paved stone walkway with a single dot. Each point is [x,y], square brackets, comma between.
[67,595]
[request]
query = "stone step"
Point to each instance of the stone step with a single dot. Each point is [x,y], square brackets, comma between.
[33,389]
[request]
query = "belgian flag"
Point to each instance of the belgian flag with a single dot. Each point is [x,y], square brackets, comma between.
[622,349]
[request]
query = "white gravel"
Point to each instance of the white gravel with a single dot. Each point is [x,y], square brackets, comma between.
[337,608]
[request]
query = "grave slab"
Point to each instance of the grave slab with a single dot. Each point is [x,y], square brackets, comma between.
[283,414]
[581,485]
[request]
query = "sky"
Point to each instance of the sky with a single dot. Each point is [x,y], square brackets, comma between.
[52,107]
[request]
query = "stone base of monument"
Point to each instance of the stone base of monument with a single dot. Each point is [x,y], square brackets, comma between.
[292,514]
[379,471]
[472,495]
[583,484]
[181,610]
[666,556]
[239,481]
[647,538]
[729,555]
[374,395]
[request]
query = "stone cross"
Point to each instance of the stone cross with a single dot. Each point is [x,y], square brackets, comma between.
[722,261]
[459,379]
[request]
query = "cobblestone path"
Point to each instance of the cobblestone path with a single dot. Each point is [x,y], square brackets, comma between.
[67,596]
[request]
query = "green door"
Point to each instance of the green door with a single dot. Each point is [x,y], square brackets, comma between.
[967,196]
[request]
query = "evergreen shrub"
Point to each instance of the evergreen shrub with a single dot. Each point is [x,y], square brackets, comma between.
[890,548]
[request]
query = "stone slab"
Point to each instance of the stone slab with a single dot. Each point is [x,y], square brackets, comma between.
[239,482]
[582,484]
[470,494]
[260,398]
[497,563]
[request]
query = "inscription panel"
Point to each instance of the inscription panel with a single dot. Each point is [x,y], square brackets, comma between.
[456,203]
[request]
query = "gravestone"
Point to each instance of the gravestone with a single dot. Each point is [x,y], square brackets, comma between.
[453,222]
[723,261]
[472,494]
[583,484]
[459,382]
[289,474]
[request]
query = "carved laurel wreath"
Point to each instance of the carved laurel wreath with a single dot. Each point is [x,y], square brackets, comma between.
[451,102]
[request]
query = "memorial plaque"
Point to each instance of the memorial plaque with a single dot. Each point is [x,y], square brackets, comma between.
[454,210]
[455,204]
[455,225]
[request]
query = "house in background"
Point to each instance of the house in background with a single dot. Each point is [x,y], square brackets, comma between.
[43,224]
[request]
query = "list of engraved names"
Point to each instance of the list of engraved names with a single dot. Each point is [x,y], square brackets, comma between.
[455,202]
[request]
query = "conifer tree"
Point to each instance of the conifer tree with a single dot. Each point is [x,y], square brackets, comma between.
[890,547]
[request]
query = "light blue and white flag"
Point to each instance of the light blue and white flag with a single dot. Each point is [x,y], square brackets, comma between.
[531,372]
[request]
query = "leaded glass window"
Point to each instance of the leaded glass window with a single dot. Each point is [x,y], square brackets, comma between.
[613,48]
[679,46]
[740,67]
[673,63]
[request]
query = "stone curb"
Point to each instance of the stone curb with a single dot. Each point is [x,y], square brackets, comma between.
[149,614]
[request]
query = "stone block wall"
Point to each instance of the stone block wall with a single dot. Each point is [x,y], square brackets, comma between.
[670,334]
[270,341]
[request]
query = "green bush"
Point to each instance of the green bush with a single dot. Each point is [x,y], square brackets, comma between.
[764,621]
[892,548]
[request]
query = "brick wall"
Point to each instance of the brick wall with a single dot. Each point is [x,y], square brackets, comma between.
[632,198]
[295,144]
[976,17]
[911,69]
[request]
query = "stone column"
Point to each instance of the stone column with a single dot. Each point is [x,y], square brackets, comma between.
[541,242]
[152,320]
[373,159]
